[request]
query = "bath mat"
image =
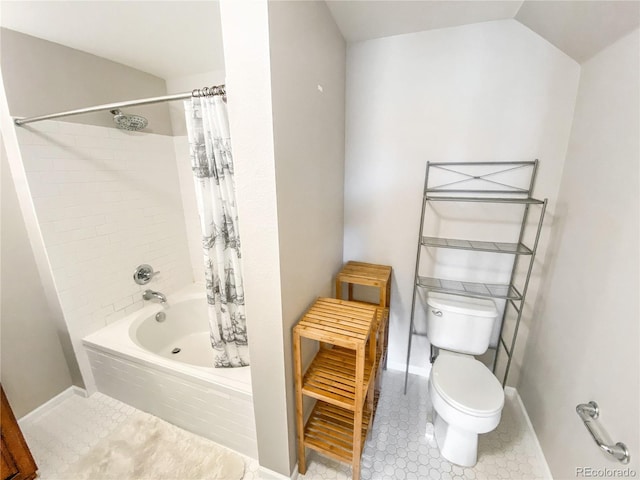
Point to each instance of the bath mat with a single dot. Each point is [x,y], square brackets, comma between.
[147,448]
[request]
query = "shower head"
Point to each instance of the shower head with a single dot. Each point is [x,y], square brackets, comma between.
[129,122]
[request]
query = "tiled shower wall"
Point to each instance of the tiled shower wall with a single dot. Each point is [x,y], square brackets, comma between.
[190,205]
[106,201]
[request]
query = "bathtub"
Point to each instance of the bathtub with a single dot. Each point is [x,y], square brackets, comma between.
[163,368]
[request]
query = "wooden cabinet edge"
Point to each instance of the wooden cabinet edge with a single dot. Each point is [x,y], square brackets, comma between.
[14,443]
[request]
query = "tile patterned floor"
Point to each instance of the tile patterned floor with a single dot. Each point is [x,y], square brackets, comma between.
[68,431]
[396,449]
[62,435]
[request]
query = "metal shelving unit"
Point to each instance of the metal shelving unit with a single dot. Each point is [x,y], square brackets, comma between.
[484,187]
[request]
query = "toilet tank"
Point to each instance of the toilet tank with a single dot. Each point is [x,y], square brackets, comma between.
[460,324]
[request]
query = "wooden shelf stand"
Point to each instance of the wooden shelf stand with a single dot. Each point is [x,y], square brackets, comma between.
[368,274]
[341,377]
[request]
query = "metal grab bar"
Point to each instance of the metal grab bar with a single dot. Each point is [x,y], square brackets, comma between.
[589,413]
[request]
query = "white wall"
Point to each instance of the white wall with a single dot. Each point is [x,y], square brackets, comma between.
[34,235]
[245,33]
[33,366]
[308,63]
[285,134]
[586,340]
[106,201]
[487,91]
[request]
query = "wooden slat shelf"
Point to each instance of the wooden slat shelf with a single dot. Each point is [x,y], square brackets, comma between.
[329,430]
[331,377]
[337,322]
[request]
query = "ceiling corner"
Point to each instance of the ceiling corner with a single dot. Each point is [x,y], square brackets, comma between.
[580,28]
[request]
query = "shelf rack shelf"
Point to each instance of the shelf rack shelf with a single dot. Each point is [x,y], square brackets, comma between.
[469,289]
[478,246]
[481,178]
[515,200]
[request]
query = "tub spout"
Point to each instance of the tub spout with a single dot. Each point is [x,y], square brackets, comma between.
[151,294]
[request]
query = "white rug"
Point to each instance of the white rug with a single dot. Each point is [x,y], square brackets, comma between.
[147,448]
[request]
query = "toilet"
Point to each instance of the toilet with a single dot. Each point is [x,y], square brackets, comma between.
[467,398]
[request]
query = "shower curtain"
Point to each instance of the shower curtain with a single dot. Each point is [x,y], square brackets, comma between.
[212,165]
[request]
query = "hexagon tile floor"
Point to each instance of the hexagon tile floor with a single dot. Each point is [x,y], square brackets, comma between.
[62,435]
[397,448]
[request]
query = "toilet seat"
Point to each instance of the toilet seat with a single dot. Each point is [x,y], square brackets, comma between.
[467,385]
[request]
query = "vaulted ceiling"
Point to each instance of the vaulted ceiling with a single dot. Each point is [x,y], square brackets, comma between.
[177,38]
[579,28]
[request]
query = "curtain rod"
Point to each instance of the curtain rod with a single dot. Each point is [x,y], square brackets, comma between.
[203,92]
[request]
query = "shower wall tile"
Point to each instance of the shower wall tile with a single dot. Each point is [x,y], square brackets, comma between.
[189,202]
[106,201]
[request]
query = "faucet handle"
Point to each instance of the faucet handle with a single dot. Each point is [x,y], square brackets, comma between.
[143,274]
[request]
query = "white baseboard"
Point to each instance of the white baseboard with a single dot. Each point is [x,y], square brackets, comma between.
[266,474]
[414,369]
[49,405]
[513,393]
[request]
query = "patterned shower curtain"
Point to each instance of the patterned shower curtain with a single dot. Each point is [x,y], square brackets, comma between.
[212,165]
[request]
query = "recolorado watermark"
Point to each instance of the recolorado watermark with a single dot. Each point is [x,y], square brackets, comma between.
[590,472]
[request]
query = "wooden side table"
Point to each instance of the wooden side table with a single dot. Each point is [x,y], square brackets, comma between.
[341,377]
[369,274]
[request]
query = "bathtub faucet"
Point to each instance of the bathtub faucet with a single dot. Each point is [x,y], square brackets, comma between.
[151,294]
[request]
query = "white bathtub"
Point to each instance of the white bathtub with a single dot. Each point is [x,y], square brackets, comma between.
[132,361]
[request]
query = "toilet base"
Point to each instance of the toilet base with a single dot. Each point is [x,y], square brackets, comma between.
[457,446]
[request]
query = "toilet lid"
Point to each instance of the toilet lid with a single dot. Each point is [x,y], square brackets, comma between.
[466,384]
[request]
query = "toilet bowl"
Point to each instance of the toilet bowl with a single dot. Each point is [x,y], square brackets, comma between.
[468,400]
[466,396]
